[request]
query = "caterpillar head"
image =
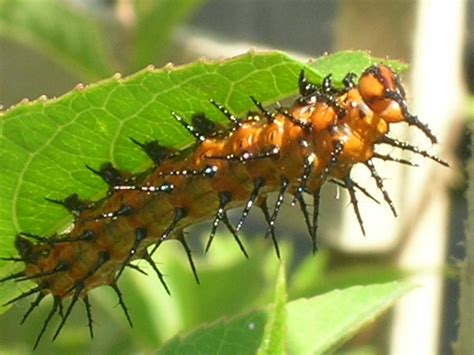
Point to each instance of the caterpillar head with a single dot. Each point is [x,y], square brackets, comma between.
[383,93]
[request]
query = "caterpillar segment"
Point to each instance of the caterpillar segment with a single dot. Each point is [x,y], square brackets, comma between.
[294,150]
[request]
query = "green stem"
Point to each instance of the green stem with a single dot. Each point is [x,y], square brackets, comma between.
[465,342]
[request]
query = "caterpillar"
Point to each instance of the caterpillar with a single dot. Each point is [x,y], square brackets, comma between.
[288,150]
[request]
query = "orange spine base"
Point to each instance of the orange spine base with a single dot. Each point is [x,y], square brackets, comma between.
[293,150]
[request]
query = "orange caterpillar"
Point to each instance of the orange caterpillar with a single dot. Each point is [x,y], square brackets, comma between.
[294,150]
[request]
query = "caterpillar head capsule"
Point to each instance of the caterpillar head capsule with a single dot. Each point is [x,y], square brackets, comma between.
[383,93]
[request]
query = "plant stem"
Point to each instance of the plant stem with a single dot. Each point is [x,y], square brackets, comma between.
[465,342]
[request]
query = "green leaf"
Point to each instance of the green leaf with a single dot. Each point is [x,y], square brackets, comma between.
[67,34]
[274,337]
[155,22]
[324,322]
[240,335]
[314,325]
[341,63]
